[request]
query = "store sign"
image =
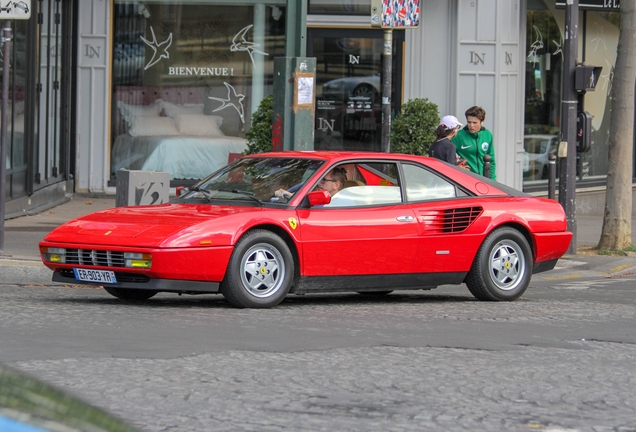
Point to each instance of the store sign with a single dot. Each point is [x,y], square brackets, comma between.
[595,5]
[20,9]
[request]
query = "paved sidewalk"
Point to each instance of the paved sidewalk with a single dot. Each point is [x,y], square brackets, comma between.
[20,260]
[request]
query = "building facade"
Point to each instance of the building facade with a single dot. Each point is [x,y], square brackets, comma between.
[169,85]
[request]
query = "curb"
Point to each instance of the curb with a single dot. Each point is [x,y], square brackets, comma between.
[21,272]
[586,266]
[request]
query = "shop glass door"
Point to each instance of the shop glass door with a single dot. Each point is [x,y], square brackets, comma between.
[49,147]
[349,87]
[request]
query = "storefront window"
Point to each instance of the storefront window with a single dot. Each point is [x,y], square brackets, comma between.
[186,79]
[544,63]
[598,40]
[15,151]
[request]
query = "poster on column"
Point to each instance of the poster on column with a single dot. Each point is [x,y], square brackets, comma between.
[20,9]
[395,14]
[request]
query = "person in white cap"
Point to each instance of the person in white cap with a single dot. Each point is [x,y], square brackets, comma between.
[443,148]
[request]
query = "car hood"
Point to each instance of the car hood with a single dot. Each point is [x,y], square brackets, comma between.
[149,226]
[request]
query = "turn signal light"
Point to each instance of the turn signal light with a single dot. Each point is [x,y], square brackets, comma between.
[138,260]
[55,255]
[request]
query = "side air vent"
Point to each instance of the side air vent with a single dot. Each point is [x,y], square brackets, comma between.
[449,220]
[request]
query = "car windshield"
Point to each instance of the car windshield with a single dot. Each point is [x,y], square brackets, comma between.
[257,180]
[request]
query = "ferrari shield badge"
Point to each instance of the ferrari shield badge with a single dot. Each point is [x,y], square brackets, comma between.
[293,223]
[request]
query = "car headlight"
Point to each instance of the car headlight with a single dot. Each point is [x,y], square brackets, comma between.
[55,255]
[137,260]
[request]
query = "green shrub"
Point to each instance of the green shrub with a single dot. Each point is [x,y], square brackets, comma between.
[259,137]
[413,130]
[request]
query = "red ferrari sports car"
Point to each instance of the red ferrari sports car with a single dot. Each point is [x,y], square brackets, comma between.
[297,222]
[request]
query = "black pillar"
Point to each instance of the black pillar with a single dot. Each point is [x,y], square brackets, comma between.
[569,105]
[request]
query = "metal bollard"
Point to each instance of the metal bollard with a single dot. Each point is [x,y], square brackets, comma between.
[487,159]
[551,175]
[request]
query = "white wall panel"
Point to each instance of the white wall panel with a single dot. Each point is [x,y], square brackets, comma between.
[487,25]
[428,70]
[468,28]
[466,94]
[487,87]
[93,96]
[488,76]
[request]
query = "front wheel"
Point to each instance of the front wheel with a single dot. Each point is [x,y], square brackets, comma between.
[260,272]
[130,294]
[502,267]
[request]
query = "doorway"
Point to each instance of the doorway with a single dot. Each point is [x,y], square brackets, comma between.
[349,86]
[40,137]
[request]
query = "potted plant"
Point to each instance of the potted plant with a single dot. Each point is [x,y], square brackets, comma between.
[413,129]
[259,137]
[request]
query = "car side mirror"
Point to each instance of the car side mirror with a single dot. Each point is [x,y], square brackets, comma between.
[180,190]
[320,197]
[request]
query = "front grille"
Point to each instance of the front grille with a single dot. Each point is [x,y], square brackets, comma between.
[91,257]
[449,220]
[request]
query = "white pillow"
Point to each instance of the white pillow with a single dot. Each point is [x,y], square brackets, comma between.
[153,126]
[131,112]
[199,125]
[173,110]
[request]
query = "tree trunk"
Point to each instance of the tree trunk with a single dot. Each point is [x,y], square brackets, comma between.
[617,217]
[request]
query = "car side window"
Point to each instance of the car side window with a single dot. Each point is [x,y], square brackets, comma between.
[368,184]
[424,185]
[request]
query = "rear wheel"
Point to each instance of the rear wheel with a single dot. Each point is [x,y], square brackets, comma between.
[130,294]
[502,268]
[364,90]
[260,272]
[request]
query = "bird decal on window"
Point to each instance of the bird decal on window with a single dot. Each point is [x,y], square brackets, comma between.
[233,100]
[239,43]
[160,49]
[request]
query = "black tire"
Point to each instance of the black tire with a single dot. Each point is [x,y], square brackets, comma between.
[375,293]
[502,267]
[260,272]
[130,294]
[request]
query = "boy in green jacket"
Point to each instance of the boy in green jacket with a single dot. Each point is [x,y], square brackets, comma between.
[474,141]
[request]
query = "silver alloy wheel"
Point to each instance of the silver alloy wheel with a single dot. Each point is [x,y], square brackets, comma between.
[262,270]
[363,90]
[507,265]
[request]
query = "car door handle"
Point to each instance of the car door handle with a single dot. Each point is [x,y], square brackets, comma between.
[405,218]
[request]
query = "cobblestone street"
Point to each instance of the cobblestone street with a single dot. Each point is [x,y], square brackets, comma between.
[561,358]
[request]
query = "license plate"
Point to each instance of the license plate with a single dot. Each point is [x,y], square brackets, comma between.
[101,276]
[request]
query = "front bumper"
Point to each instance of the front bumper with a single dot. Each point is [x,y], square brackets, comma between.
[138,281]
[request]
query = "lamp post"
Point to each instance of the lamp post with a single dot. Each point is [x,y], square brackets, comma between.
[6,39]
[569,107]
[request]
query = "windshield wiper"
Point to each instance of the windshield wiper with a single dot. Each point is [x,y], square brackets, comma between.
[249,195]
[206,193]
